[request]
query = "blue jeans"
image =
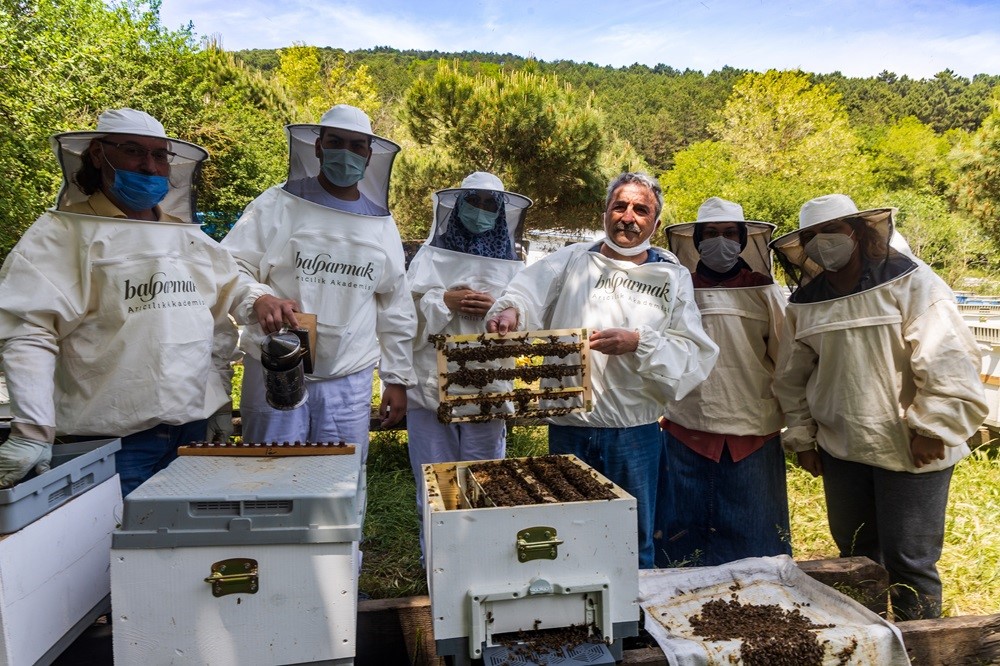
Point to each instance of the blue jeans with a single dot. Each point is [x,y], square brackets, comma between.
[710,513]
[896,519]
[145,453]
[630,457]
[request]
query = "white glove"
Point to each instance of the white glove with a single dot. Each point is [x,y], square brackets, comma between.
[220,426]
[19,455]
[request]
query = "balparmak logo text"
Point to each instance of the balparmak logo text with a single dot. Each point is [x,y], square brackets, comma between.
[323,263]
[156,285]
[611,283]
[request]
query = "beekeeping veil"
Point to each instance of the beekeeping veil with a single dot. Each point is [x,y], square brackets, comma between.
[501,241]
[875,242]
[684,239]
[185,164]
[303,162]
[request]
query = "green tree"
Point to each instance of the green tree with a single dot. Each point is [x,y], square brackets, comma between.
[314,86]
[909,155]
[951,243]
[63,62]
[977,163]
[541,137]
[781,141]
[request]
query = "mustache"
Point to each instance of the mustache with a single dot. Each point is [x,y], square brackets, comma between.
[630,227]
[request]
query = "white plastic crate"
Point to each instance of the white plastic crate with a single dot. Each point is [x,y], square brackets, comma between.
[76,468]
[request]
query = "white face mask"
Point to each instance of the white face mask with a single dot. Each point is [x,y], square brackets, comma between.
[831,251]
[719,253]
[628,251]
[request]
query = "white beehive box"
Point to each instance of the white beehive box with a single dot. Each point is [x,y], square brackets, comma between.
[482,583]
[54,575]
[275,537]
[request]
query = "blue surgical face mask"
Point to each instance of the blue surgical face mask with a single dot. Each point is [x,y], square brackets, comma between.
[342,167]
[477,220]
[139,191]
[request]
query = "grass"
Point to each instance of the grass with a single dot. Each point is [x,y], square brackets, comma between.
[970,563]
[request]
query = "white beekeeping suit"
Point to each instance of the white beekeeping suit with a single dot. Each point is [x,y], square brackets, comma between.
[108,322]
[745,321]
[902,327]
[577,287]
[342,261]
[470,251]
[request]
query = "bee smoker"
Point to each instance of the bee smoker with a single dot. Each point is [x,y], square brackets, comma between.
[285,357]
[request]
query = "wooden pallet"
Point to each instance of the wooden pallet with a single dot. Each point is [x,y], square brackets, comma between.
[548,372]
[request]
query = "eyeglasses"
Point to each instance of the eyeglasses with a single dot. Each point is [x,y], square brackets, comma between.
[135,151]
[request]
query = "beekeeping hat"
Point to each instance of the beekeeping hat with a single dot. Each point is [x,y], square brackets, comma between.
[500,242]
[303,162]
[185,163]
[831,208]
[684,239]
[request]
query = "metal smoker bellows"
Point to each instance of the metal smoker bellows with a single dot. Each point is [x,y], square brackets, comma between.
[284,355]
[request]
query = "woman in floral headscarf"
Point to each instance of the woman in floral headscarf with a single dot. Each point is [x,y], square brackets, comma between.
[455,277]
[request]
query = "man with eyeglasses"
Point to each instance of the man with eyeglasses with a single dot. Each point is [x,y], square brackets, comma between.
[115,306]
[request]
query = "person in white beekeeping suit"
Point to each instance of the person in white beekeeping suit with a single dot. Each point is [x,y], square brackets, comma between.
[326,239]
[455,277]
[723,494]
[645,334]
[878,377]
[110,302]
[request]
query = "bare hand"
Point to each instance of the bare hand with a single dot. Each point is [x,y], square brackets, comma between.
[392,409]
[614,341]
[503,323]
[273,313]
[926,450]
[468,301]
[811,462]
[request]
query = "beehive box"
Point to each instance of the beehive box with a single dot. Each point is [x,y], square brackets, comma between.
[236,560]
[54,575]
[496,570]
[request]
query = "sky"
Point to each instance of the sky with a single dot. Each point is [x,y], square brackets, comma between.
[859,38]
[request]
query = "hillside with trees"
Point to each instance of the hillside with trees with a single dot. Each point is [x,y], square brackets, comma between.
[555,131]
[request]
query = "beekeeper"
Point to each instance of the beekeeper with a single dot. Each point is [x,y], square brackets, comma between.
[725,496]
[638,304]
[326,239]
[879,379]
[109,301]
[455,278]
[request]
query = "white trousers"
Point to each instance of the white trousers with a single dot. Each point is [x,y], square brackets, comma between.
[431,441]
[336,410]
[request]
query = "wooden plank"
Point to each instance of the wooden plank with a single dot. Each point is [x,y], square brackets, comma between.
[396,631]
[267,450]
[969,639]
[860,578]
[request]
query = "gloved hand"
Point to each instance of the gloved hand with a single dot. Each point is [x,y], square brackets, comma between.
[220,426]
[18,455]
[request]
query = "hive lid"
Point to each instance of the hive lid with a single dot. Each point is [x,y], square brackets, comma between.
[204,501]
